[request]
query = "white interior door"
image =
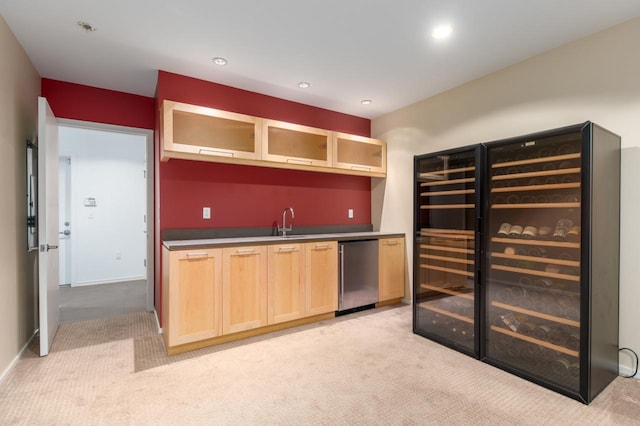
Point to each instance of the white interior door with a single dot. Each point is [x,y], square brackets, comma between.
[64,219]
[49,308]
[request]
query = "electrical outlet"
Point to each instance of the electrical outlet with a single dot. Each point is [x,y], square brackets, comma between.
[118,255]
[206,212]
[350,213]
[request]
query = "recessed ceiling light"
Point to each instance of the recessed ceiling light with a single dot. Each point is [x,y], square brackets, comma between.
[86,26]
[219,61]
[366,102]
[441,32]
[303,85]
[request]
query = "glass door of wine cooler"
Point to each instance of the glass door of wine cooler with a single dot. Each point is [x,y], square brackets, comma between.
[447,202]
[532,287]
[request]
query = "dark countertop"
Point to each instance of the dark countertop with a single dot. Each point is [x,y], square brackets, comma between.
[177,244]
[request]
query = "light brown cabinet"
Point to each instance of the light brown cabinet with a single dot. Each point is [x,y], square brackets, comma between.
[206,134]
[244,289]
[321,277]
[359,154]
[192,295]
[285,283]
[391,266]
[295,144]
[194,132]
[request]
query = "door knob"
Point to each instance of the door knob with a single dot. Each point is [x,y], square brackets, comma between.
[65,232]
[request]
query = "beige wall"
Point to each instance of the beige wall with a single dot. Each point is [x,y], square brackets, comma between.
[596,78]
[19,90]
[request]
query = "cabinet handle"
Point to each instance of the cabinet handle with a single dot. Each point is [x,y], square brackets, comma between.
[198,254]
[245,251]
[366,169]
[391,242]
[286,248]
[322,246]
[216,152]
[295,161]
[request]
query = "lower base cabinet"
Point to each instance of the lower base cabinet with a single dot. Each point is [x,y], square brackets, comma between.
[222,294]
[192,295]
[285,283]
[390,269]
[244,290]
[321,277]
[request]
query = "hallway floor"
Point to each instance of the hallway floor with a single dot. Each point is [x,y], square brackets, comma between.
[101,300]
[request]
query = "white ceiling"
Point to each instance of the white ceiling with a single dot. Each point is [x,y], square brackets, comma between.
[349,50]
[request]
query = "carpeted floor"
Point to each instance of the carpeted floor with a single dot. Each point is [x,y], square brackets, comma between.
[363,369]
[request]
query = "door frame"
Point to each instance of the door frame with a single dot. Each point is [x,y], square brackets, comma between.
[150,202]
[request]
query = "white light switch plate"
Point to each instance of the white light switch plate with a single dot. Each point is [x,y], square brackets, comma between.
[206,212]
[350,213]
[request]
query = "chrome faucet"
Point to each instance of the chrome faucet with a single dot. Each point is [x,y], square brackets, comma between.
[284,228]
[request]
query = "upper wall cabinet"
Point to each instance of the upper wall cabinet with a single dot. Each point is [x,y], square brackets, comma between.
[295,144]
[192,132]
[357,153]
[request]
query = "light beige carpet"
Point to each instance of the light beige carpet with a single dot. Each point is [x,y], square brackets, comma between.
[363,369]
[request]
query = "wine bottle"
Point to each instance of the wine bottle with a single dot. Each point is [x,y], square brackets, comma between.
[562,228]
[544,232]
[541,332]
[573,341]
[565,149]
[504,229]
[525,281]
[550,180]
[560,367]
[515,231]
[529,232]
[573,234]
[541,198]
[537,252]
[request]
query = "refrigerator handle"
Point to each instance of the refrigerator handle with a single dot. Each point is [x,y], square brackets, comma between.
[341,252]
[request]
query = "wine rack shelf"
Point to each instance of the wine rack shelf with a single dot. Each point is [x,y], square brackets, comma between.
[445,248]
[449,291]
[448,182]
[542,187]
[448,206]
[532,313]
[426,305]
[537,206]
[541,173]
[533,340]
[447,259]
[544,243]
[537,273]
[440,173]
[450,270]
[452,192]
[546,260]
[546,159]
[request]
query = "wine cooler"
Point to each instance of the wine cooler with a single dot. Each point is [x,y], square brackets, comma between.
[517,254]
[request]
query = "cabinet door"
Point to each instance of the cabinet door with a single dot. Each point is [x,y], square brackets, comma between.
[321,277]
[533,274]
[361,155]
[447,203]
[244,288]
[295,144]
[391,268]
[285,283]
[195,132]
[194,295]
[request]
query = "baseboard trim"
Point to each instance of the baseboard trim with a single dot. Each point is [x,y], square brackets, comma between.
[155,314]
[118,280]
[627,371]
[17,358]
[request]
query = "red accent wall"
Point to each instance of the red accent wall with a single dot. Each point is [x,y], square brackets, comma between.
[246,196]
[86,103]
